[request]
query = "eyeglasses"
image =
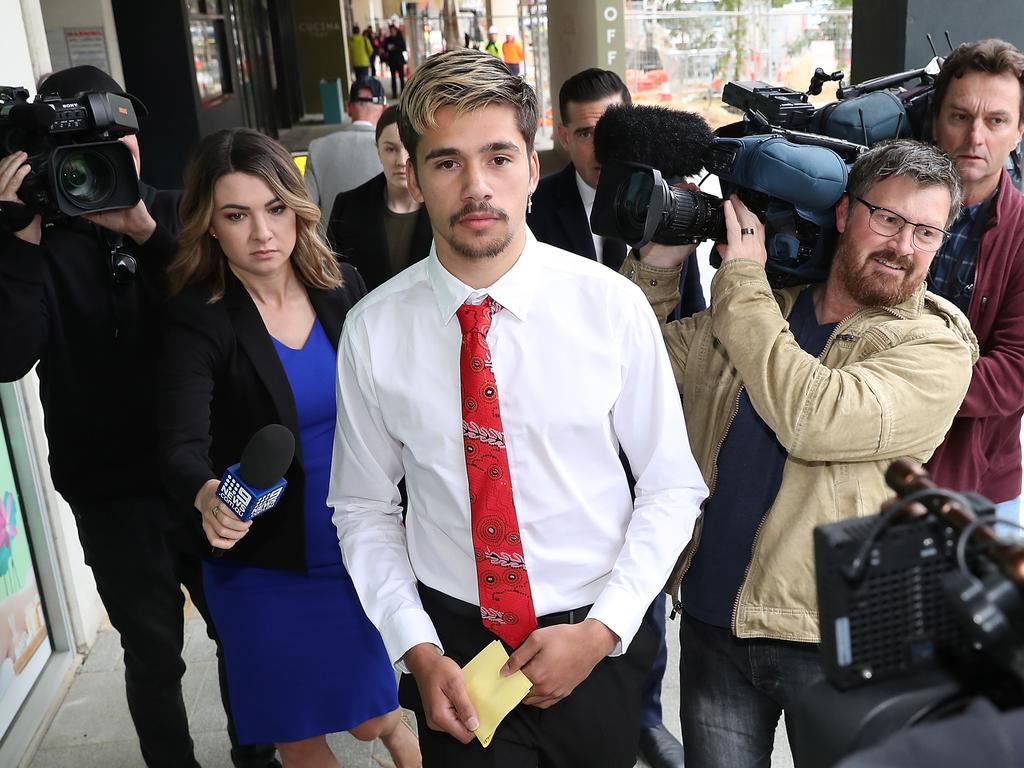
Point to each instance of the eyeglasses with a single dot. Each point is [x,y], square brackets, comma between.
[889,223]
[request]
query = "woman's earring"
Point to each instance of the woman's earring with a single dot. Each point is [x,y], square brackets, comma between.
[529,202]
[213,235]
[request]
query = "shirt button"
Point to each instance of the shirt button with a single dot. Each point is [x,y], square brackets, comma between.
[653,283]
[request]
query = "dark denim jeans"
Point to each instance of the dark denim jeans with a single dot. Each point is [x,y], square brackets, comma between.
[733,692]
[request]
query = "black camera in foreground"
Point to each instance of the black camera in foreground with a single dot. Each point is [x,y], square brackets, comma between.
[78,164]
[922,617]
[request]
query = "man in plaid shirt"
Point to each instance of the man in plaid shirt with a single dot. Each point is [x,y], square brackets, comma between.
[978,120]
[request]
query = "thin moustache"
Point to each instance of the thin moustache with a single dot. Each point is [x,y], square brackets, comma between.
[483,208]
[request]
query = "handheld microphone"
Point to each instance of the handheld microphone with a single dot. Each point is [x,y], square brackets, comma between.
[256,483]
[670,140]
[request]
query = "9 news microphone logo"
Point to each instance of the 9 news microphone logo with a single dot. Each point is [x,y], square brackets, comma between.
[245,501]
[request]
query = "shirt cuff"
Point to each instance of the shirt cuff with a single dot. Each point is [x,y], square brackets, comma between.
[616,609]
[659,284]
[403,630]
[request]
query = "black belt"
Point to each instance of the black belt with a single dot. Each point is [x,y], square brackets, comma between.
[471,611]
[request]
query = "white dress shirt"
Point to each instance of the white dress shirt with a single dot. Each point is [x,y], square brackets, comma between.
[587,195]
[581,367]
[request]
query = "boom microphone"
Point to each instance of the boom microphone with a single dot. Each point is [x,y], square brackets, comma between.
[256,483]
[670,140]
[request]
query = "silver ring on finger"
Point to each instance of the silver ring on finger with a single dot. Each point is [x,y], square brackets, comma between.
[216,512]
[747,231]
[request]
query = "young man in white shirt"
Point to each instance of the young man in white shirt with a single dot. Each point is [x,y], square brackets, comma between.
[519,521]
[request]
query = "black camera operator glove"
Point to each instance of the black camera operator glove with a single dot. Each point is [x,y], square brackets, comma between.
[15,216]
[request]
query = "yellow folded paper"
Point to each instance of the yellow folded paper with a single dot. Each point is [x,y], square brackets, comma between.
[492,695]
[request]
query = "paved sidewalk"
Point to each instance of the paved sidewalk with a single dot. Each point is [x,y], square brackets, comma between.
[92,728]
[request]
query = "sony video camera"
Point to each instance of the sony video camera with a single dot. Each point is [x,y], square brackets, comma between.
[786,160]
[78,164]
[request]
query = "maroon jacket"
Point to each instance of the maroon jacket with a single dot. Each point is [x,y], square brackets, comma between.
[981,451]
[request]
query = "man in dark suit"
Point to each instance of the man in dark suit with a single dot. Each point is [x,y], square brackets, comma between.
[560,216]
[561,208]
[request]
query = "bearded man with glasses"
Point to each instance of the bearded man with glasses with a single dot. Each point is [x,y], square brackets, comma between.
[796,400]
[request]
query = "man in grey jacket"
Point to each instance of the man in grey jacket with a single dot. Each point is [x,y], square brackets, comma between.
[347,158]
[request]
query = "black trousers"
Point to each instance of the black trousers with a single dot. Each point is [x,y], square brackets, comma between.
[140,554]
[397,74]
[596,726]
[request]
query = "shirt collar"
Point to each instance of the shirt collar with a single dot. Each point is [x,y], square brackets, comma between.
[587,193]
[514,290]
[970,212]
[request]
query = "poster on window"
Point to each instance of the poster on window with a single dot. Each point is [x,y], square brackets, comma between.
[24,641]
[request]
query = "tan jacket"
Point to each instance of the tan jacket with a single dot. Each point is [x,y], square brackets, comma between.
[887,384]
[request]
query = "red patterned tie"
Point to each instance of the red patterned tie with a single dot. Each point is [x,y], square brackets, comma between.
[506,605]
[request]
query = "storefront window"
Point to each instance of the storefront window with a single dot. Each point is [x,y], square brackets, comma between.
[209,53]
[24,640]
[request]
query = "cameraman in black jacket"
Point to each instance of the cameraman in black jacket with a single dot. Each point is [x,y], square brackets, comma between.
[83,299]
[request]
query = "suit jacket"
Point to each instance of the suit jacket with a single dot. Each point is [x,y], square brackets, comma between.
[357,234]
[559,218]
[221,381]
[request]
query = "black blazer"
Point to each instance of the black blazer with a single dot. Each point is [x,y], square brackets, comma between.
[220,381]
[356,231]
[558,218]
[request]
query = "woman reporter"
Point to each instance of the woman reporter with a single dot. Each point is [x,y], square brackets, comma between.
[250,338]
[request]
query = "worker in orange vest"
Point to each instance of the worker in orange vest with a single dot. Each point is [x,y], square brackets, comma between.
[512,52]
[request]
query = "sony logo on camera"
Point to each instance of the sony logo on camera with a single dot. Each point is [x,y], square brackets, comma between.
[78,164]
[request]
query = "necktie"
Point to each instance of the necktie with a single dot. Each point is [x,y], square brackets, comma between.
[506,605]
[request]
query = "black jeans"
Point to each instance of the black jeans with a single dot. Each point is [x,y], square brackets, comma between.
[733,692]
[397,73]
[140,554]
[596,726]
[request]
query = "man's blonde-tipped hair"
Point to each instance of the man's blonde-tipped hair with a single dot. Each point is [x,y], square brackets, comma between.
[468,80]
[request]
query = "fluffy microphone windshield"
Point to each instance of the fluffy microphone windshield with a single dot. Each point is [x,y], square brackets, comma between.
[670,140]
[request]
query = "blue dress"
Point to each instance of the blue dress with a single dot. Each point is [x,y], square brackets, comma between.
[302,658]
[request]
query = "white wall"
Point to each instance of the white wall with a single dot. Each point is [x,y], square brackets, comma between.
[15,56]
[368,12]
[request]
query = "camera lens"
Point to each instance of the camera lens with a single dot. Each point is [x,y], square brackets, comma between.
[633,203]
[87,178]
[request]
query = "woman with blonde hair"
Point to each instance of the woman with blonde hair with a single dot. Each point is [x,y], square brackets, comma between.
[250,338]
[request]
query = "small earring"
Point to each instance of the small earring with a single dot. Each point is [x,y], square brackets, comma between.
[529,203]
[213,235]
